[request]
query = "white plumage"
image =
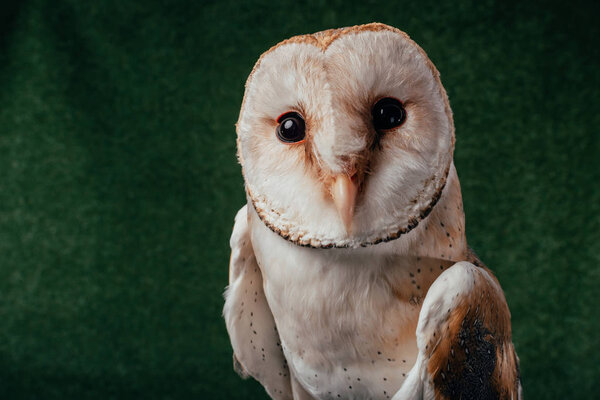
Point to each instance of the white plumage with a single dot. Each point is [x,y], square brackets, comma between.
[348,274]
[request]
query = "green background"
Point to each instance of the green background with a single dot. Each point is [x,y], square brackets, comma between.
[119,182]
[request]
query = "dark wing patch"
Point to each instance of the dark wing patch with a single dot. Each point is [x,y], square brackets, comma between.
[473,356]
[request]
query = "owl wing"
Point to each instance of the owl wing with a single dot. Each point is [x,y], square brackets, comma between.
[252,331]
[464,340]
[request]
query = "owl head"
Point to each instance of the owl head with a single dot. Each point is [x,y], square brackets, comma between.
[345,137]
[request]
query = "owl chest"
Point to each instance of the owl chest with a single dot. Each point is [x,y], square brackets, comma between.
[345,328]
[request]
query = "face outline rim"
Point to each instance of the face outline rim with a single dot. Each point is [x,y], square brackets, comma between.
[383,238]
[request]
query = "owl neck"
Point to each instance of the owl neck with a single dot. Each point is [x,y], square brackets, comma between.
[442,234]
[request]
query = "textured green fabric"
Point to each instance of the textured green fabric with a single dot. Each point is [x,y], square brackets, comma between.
[119,182]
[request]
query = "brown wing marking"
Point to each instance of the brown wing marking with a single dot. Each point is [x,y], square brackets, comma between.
[473,357]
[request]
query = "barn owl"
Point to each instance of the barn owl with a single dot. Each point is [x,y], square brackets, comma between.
[350,275]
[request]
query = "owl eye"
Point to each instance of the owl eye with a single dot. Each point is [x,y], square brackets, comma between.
[290,128]
[388,113]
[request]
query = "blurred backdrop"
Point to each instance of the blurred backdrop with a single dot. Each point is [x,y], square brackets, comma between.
[119,182]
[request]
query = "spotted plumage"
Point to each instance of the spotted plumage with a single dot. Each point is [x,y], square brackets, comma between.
[350,275]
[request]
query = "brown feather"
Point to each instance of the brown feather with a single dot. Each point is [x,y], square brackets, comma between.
[473,356]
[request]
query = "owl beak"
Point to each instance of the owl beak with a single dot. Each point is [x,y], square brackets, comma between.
[343,191]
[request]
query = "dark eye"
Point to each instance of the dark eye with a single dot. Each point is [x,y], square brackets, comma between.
[290,128]
[388,113]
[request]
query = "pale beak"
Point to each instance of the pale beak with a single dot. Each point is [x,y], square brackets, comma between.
[343,191]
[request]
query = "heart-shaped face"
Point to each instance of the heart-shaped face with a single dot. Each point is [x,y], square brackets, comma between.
[345,136]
